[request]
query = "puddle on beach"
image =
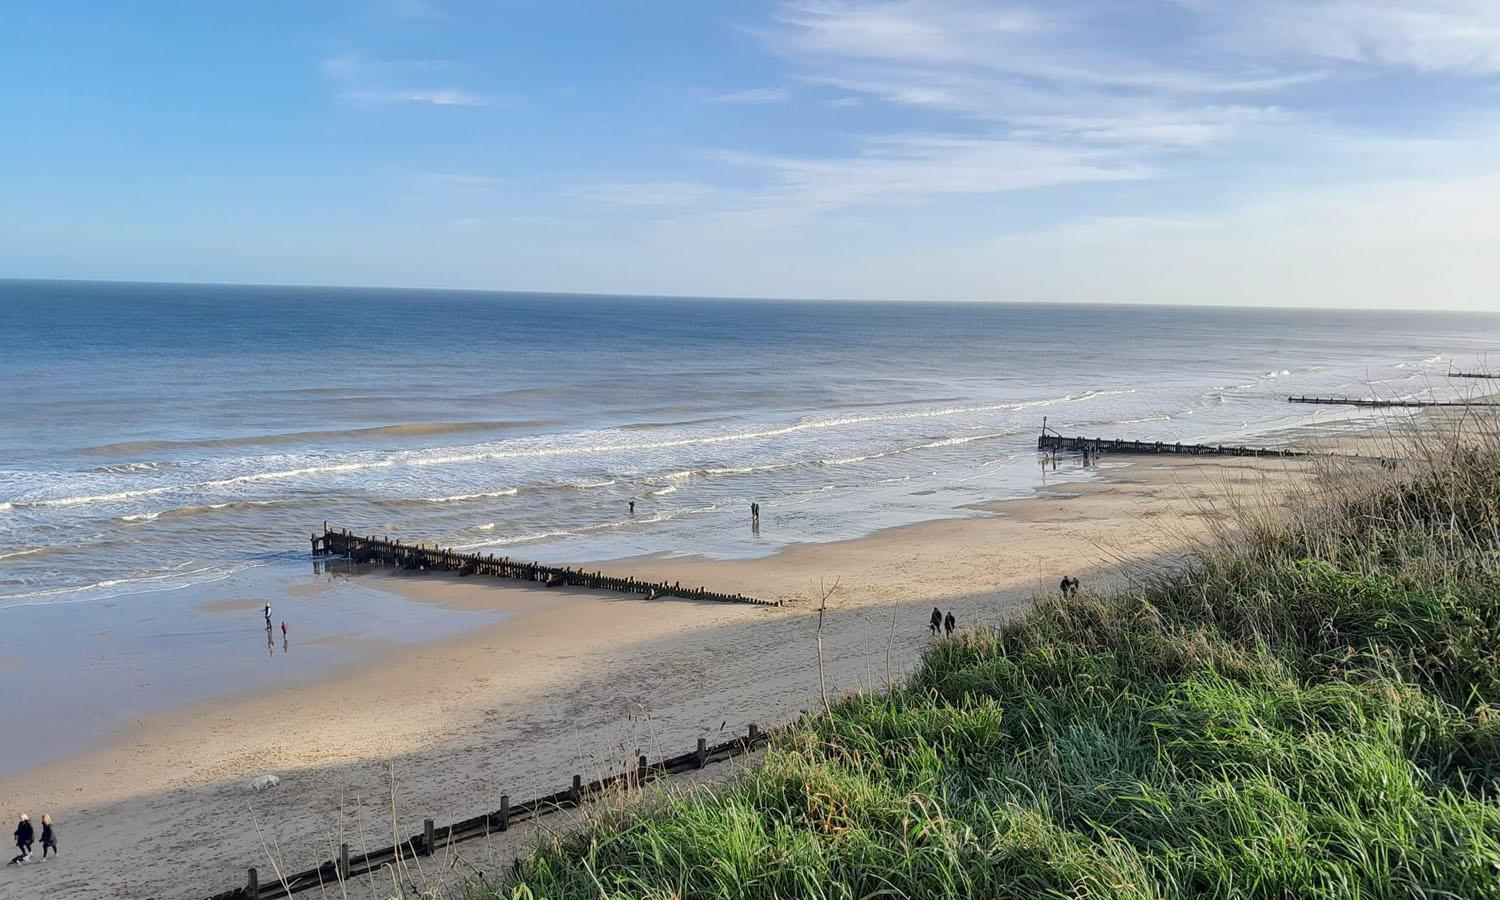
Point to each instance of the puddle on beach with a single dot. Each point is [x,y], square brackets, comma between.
[100,665]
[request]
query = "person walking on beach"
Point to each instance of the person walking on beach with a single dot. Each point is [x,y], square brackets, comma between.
[949,623]
[24,835]
[936,621]
[1065,585]
[754,512]
[268,615]
[283,630]
[49,837]
[1073,587]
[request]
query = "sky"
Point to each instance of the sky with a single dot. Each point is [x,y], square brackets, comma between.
[1275,152]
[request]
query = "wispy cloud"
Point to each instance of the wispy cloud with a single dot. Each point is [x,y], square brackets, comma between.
[665,195]
[750,95]
[356,79]
[1456,36]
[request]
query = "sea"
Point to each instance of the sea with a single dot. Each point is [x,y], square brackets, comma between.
[164,436]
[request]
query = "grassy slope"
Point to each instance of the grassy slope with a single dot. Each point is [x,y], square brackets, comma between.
[1314,713]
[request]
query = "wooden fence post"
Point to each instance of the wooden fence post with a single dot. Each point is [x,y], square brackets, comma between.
[427,837]
[504,812]
[754,732]
[252,885]
[577,790]
[641,767]
[702,752]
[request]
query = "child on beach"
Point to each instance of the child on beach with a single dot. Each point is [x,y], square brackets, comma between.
[24,835]
[49,837]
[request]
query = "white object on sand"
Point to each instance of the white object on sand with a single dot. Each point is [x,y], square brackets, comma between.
[263,782]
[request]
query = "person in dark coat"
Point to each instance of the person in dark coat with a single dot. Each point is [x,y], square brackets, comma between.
[948,624]
[1074,587]
[937,620]
[49,837]
[24,838]
[1065,585]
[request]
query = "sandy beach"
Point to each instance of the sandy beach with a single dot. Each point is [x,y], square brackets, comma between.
[564,682]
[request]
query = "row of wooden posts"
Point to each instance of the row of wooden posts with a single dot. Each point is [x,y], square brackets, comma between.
[1370,401]
[383,551]
[335,872]
[1049,441]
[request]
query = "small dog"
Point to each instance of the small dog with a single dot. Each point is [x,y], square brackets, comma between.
[264,782]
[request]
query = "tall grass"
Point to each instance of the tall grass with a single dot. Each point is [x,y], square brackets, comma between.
[1311,711]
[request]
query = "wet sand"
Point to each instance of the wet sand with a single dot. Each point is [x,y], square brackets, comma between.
[563,682]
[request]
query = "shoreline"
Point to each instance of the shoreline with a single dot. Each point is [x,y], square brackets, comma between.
[577,682]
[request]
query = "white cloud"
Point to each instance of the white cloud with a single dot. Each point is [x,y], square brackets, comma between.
[360,80]
[1457,36]
[750,96]
[649,194]
[437,97]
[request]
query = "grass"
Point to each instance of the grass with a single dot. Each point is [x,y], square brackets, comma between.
[1312,711]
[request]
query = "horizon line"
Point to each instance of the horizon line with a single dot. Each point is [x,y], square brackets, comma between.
[740,298]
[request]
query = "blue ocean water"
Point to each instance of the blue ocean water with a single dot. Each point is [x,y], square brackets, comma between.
[156,436]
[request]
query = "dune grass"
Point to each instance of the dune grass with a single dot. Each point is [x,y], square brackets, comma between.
[1313,711]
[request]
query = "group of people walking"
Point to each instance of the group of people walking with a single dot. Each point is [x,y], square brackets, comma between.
[946,623]
[26,837]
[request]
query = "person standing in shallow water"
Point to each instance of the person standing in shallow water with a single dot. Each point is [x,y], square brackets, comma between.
[949,623]
[936,621]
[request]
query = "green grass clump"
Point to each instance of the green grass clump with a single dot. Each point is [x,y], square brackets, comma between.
[1313,712]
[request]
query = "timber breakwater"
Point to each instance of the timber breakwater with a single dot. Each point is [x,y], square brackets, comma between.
[418,557]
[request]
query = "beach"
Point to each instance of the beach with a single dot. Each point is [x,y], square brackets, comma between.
[541,684]
[162,475]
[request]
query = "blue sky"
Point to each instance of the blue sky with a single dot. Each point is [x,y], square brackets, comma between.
[1290,152]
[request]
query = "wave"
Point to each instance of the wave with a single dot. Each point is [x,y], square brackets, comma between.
[132,468]
[178,578]
[29,551]
[757,434]
[579,531]
[481,454]
[140,517]
[412,429]
[482,495]
[662,492]
[252,478]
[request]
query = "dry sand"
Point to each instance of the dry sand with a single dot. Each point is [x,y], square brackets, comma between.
[573,683]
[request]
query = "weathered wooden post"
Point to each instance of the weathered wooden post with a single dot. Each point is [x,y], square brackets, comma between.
[702,752]
[252,885]
[576,792]
[428,838]
[754,732]
[343,864]
[504,812]
[640,770]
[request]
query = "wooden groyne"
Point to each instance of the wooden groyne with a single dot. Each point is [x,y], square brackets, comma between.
[416,557]
[1415,404]
[1472,375]
[332,876]
[1114,445]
